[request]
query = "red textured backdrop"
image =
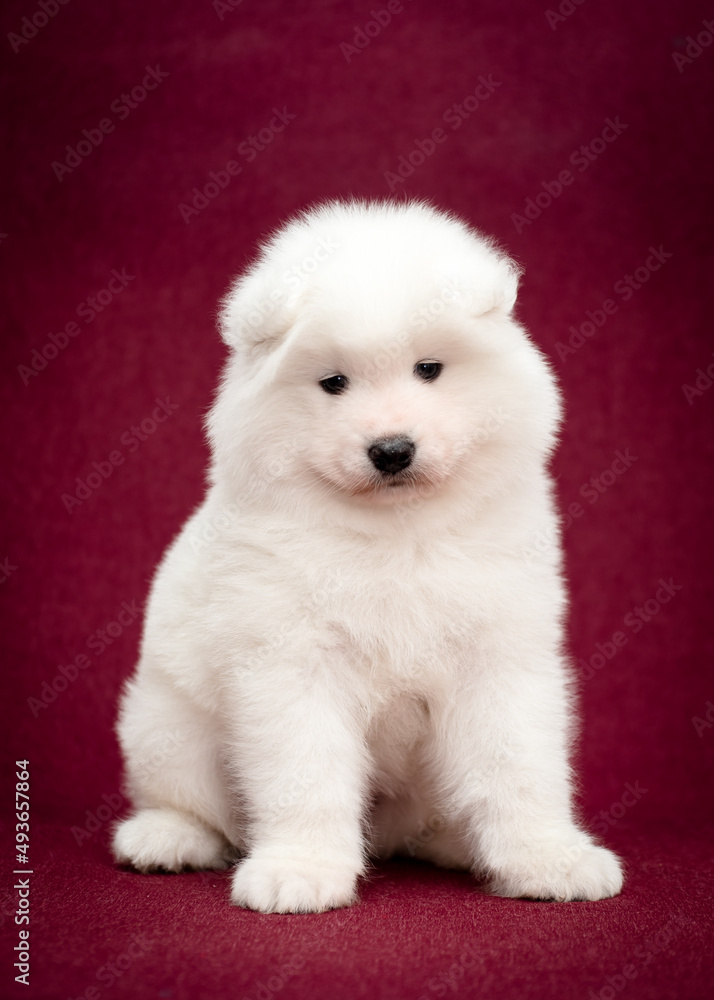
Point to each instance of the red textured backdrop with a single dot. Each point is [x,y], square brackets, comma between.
[582,140]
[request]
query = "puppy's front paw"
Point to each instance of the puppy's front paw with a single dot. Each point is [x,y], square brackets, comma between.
[571,870]
[275,881]
[170,840]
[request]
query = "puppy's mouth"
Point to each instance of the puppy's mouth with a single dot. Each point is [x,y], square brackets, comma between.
[385,482]
[381,484]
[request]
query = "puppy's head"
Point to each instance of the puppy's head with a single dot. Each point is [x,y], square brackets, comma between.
[376,362]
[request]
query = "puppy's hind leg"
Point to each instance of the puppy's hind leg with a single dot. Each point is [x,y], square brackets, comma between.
[182,816]
[169,840]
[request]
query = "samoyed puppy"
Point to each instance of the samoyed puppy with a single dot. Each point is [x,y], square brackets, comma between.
[353,649]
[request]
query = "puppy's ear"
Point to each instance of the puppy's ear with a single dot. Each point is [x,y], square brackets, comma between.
[255,314]
[496,287]
[487,279]
[506,290]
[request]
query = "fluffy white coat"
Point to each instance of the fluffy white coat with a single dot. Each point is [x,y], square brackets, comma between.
[342,660]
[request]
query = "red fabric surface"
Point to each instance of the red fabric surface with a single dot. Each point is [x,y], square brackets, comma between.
[639,194]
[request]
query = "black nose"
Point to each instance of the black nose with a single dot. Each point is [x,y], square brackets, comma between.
[391,454]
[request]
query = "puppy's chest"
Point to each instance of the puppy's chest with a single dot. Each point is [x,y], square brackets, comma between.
[416,621]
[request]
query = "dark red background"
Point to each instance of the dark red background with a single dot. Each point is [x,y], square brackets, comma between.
[417,932]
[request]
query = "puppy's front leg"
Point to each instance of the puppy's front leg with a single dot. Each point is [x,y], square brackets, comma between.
[302,772]
[505,762]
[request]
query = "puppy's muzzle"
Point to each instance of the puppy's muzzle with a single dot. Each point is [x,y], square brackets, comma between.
[392,455]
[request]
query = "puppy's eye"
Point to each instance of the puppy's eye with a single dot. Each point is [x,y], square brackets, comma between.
[335,384]
[428,370]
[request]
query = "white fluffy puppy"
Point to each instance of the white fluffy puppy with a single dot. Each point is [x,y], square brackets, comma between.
[352,648]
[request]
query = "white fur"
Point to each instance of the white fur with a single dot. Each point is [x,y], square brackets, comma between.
[333,667]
